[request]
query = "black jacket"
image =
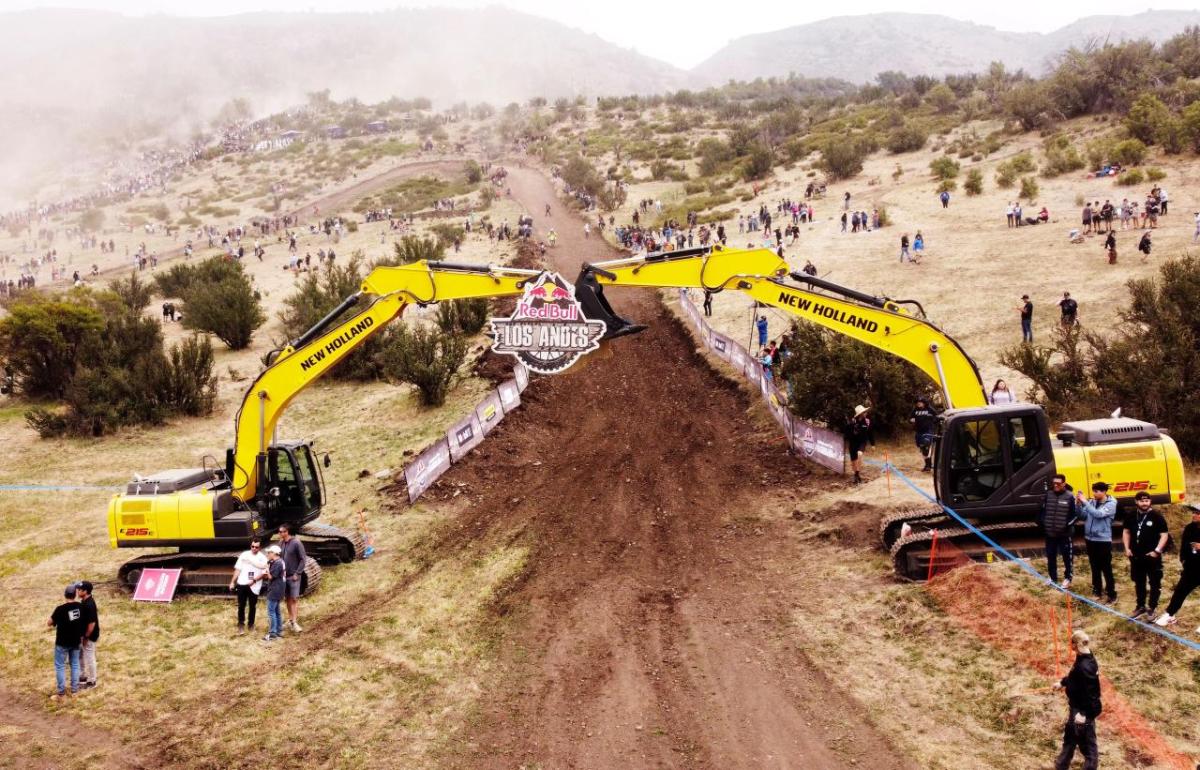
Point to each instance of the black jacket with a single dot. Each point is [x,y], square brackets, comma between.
[1058,513]
[1082,683]
[1190,534]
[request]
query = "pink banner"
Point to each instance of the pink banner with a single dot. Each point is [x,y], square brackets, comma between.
[426,469]
[157,585]
[821,445]
[490,412]
[463,436]
[510,395]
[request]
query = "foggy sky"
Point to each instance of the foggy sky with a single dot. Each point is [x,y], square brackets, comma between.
[681,33]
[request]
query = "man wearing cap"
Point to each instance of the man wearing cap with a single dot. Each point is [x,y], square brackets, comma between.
[91,634]
[1099,513]
[924,421]
[1145,537]
[1026,319]
[276,590]
[1189,579]
[1057,519]
[858,434]
[1082,684]
[68,625]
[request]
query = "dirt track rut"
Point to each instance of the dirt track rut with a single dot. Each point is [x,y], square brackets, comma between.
[643,633]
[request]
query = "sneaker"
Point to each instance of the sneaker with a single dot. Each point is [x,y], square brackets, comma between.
[1066,584]
[58,696]
[1165,619]
[1111,600]
[241,630]
[1139,612]
[268,638]
[296,627]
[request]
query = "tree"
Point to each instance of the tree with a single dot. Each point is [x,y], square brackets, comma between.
[426,358]
[974,183]
[941,98]
[1191,125]
[474,172]
[713,154]
[907,138]
[944,167]
[413,248]
[1148,118]
[842,159]
[43,339]
[229,308]
[758,163]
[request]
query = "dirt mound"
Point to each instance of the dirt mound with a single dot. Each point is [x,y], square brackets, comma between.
[853,524]
[639,631]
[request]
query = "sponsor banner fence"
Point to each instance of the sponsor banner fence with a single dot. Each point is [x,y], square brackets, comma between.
[427,468]
[521,375]
[510,395]
[463,436]
[490,412]
[821,445]
[738,357]
[720,344]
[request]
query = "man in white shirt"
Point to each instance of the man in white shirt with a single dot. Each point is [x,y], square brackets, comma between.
[247,578]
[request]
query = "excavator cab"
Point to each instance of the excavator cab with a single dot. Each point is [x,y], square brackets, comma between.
[993,462]
[293,490]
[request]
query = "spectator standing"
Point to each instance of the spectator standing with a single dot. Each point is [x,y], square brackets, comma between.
[1189,579]
[1082,685]
[761,325]
[1070,310]
[1196,234]
[248,572]
[1057,519]
[276,591]
[924,421]
[708,303]
[918,247]
[904,255]
[859,433]
[68,625]
[846,202]
[1001,394]
[294,559]
[945,198]
[1144,245]
[1008,214]
[1145,536]
[1087,217]
[1026,319]
[91,635]
[809,268]
[1110,247]
[1099,513]
[1162,200]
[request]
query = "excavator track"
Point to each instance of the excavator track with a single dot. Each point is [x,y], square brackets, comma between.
[891,526]
[204,571]
[911,554]
[332,545]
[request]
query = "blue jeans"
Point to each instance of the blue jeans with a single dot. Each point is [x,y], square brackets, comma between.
[1027,330]
[274,617]
[63,655]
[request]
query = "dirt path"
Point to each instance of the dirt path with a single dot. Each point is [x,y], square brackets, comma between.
[642,633]
[47,741]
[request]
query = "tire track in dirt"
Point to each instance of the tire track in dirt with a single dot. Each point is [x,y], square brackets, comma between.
[23,721]
[641,632]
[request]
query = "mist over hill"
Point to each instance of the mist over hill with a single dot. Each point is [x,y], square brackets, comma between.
[857,48]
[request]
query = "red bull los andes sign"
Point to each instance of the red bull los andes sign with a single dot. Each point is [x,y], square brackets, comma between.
[547,331]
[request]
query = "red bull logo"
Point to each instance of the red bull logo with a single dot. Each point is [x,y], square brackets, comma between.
[547,331]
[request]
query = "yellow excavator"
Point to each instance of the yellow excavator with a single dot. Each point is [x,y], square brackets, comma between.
[992,463]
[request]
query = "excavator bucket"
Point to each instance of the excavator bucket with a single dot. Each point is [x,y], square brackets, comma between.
[590,295]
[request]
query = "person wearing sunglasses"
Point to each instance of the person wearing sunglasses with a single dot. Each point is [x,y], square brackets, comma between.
[247,578]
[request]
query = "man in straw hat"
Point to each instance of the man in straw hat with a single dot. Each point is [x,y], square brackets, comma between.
[858,434]
[1082,684]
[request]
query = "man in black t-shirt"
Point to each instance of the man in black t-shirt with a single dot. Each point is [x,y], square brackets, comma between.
[69,628]
[924,421]
[1145,538]
[1070,309]
[91,634]
[1026,319]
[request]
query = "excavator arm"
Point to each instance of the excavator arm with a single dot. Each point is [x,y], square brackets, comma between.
[896,327]
[384,294]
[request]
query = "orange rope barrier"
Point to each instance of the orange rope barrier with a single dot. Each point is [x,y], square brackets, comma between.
[1054,636]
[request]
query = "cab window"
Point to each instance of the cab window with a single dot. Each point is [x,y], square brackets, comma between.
[308,470]
[977,461]
[1025,437]
[283,472]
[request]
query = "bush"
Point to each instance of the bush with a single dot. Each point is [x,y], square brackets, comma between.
[1029,188]
[229,309]
[474,172]
[1190,125]
[446,235]
[907,138]
[941,98]
[1131,177]
[426,358]
[713,154]
[43,339]
[758,162]
[412,248]
[1130,152]
[947,185]
[462,315]
[180,277]
[1008,171]
[944,167]
[1061,156]
[1148,119]
[842,158]
[1155,174]
[1146,367]
[829,373]
[974,183]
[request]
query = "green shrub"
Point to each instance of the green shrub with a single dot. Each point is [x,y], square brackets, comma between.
[1148,119]
[43,338]
[907,138]
[974,183]
[474,172]
[829,373]
[352,226]
[176,280]
[1131,177]
[843,158]
[944,167]
[947,185]
[758,163]
[1008,171]
[229,309]
[412,248]
[1155,174]
[462,315]
[426,358]
[1061,156]
[1029,188]
[1130,152]
[446,235]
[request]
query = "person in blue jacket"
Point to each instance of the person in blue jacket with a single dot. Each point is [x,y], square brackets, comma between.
[1099,513]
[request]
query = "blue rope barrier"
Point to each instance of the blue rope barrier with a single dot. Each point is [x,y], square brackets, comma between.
[1026,566]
